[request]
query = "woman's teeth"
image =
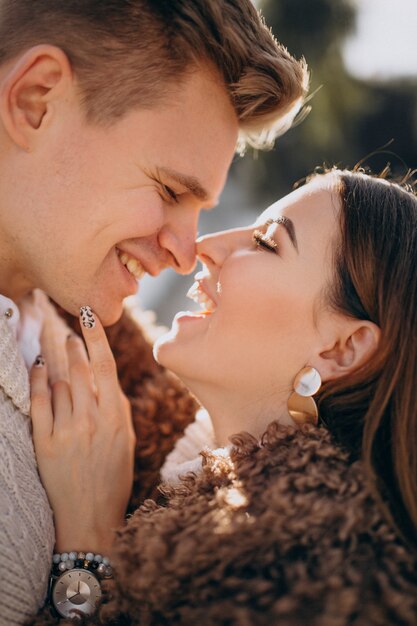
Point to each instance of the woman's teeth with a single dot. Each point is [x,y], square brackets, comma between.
[200,297]
[134,267]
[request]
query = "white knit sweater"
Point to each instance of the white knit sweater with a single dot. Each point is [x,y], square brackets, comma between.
[26,526]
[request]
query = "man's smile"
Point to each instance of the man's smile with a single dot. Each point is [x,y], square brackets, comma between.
[133,265]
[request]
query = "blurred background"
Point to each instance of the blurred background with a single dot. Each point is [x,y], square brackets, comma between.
[362,56]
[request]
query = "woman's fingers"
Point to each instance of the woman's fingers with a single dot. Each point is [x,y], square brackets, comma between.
[81,382]
[101,358]
[86,441]
[41,409]
[61,403]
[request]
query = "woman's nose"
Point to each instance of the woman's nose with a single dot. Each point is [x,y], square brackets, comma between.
[216,247]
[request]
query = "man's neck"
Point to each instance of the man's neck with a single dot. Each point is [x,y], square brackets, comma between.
[13,283]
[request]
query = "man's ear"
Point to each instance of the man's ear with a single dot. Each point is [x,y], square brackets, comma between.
[353,347]
[29,90]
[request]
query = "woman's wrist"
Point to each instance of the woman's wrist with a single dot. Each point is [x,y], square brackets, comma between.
[82,538]
[98,545]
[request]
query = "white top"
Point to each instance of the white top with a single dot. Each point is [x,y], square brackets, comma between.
[186,457]
[25,323]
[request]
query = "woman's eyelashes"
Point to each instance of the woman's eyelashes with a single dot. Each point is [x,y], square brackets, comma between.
[261,240]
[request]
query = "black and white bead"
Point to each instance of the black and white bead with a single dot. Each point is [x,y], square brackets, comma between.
[81,560]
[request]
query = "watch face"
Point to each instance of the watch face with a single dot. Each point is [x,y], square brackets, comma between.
[76,593]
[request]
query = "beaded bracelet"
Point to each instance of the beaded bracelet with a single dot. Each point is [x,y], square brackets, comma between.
[95,563]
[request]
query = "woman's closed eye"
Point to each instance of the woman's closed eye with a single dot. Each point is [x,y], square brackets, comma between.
[261,240]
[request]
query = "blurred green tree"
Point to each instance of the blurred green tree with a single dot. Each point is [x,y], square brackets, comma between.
[350,118]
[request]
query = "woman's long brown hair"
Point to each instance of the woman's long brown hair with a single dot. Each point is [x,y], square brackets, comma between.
[373,411]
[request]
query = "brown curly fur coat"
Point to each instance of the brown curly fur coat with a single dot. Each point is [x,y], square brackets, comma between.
[284,533]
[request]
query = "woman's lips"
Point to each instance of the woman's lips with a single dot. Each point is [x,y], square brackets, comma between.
[197,293]
[191,315]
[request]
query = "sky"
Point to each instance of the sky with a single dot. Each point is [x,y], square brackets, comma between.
[385,43]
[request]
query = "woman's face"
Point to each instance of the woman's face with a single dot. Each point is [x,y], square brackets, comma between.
[265,285]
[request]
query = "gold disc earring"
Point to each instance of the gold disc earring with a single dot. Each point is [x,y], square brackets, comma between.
[301,405]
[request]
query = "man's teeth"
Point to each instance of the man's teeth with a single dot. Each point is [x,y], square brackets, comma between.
[132,265]
[197,295]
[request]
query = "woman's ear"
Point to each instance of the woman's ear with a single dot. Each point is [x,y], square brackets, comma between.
[354,346]
[28,92]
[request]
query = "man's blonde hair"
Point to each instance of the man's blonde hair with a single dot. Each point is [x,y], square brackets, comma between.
[134,53]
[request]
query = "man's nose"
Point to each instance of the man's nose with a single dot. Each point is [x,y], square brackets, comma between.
[178,240]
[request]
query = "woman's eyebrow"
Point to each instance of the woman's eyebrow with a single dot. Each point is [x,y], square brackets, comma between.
[289,228]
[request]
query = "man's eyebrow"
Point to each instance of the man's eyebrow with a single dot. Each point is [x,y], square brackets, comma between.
[189,182]
[289,227]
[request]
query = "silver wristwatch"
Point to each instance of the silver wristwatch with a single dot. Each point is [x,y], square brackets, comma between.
[75,583]
[75,593]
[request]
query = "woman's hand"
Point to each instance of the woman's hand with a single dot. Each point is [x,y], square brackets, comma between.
[84,443]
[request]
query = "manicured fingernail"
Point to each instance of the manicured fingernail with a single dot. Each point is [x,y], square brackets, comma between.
[87,317]
[39,361]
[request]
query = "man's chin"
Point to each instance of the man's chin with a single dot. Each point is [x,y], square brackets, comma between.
[108,315]
[108,320]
